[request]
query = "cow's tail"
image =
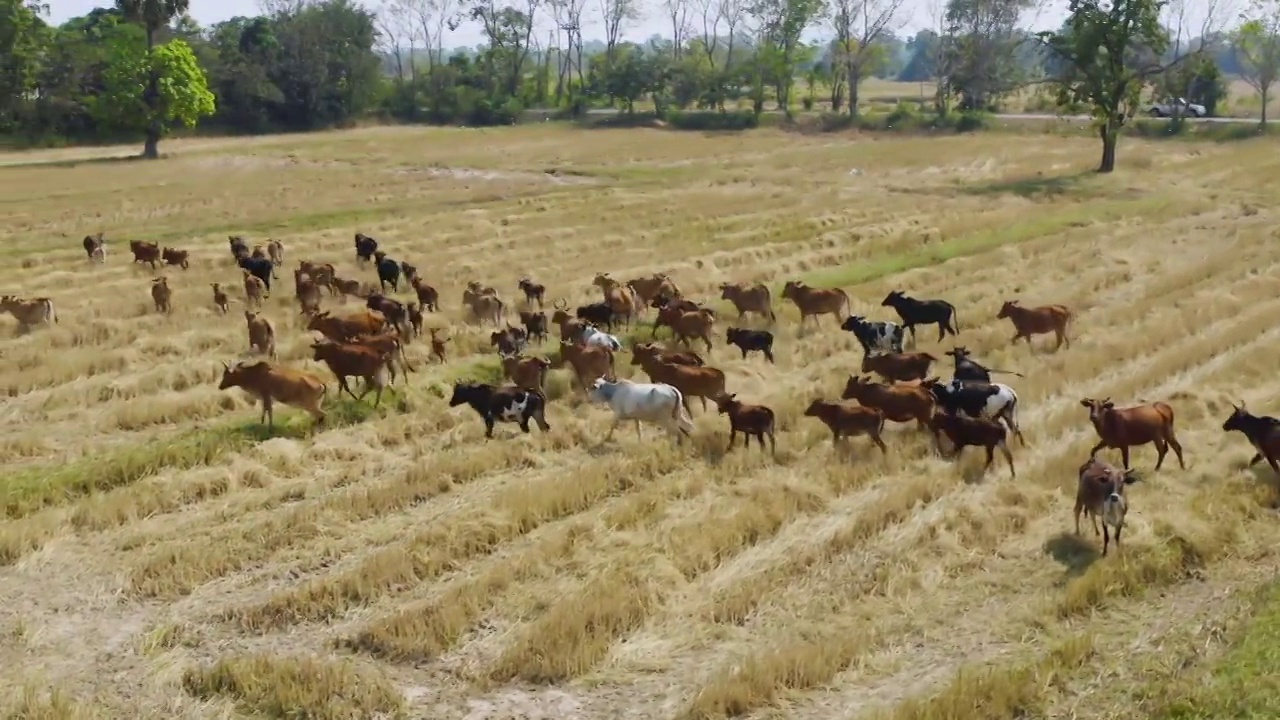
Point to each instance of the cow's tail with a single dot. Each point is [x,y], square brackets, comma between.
[49,312]
[683,422]
[848,309]
[955,319]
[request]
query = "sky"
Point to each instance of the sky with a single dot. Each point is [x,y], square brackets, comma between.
[915,16]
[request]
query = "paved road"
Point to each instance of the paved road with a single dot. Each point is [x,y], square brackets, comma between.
[1010,116]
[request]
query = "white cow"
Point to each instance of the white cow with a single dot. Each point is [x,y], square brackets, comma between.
[657,403]
[591,335]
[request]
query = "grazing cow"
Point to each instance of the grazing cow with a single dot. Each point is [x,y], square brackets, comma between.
[1037,321]
[427,295]
[29,313]
[969,370]
[145,252]
[594,336]
[323,274]
[923,312]
[899,403]
[529,373]
[408,271]
[389,345]
[271,384]
[965,432]
[620,298]
[658,403]
[587,361]
[814,302]
[438,345]
[509,341]
[173,256]
[535,325]
[533,292]
[239,247]
[899,366]
[161,295]
[845,419]
[647,289]
[365,248]
[675,357]
[254,290]
[1262,431]
[749,420]
[262,334]
[388,272]
[393,310]
[1101,492]
[993,401]
[1137,425]
[220,299]
[874,336]
[95,248]
[502,404]
[415,318]
[699,382]
[746,298]
[275,252]
[483,303]
[346,361]
[751,341]
[343,328]
[260,268]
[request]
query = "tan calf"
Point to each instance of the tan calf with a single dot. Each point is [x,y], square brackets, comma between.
[255,291]
[262,334]
[271,384]
[845,419]
[1040,320]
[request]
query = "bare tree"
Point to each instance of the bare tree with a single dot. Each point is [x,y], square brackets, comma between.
[391,21]
[433,18]
[734,13]
[709,11]
[615,14]
[567,15]
[678,13]
[861,27]
[1190,26]
[942,55]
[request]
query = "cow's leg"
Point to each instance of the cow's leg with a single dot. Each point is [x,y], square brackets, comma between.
[268,416]
[733,435]
[614,426]
[943,327]
[1008,456]
[1271,460]
[1124,455]
[488,426]
[1256,459]
[1096,448]
[773,444]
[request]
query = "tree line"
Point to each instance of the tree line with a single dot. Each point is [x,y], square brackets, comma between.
[142,68]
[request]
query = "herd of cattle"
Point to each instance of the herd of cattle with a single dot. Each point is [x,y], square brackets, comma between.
[969,410]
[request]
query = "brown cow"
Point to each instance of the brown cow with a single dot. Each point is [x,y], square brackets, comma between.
[427,295]
[649,288]
[846,419]
[483,302]
[343,328]
[621,299]
[415,318]
[271,384]
[323,274]
[95,247]
[1262,431]
[896,367]
[749,420]
[220,299]
[964,431]
[699,382]
[161,294]
[570,327]
[262,334]
[308,297]
[354,361]
[29,313]
[391,346]
[754,298]
[173,256]
[814,302]
[587,361]
[696,325]
[1100,492]
[899,403]
[348,288]
[275,251]
[1037,321]
[533,292]
[675,357]
[438,345]
[1137,425]
[393,310]
[145,252]
[254,289]
[535,325]
[529,373]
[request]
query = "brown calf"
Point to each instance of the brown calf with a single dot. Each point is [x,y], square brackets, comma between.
[145,252]
[343,328]
[323,274]
[275,251]
[688,325]
[814,302]
[895,367]
[1137,425]
[529,373]
[754,298]
[587,361]
[675,357]
[354,361]
[899,403]
[389,345]
[427,295]
[393,310]
[173,256]
[484,306]
[95,247]
[161,295]
[749,420]
[1100,492]
[415,318]
[845,419]
[262,334]
[438,345]
[964,431]
[220,298]
[533,292]
[699,382]
[271,384]
[348,288]
[1037,321]
[254,289]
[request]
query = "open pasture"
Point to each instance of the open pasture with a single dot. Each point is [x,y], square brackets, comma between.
[164,557]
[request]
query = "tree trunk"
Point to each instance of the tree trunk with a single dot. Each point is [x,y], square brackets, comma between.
[1110,136]
[1265,93]
[151,98]
[855,79]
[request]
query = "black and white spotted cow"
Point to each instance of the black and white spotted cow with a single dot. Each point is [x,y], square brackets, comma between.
[502,404]
[875,335]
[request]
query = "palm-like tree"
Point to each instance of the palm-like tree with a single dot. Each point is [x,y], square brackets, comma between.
[152,15]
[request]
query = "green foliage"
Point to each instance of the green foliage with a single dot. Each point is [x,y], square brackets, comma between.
[183,93]
[708,121]
[1256,44]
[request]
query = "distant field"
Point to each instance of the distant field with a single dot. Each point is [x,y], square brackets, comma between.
[161,557]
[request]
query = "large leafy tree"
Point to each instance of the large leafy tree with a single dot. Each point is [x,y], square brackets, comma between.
[1105,54]
[1257,49]
[153,15]
[22,38]
[181,97]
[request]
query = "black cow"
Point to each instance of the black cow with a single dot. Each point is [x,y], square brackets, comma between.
[597,313]
[365,247]
[261,268]
[388,271]
[393,310]
[751,341]
[969,370]
[924,312]
[239,248]
[535,324]
[1263,432]
[875,335]
[502,404]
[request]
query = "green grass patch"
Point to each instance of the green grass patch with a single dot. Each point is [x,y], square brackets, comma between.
[1243,684]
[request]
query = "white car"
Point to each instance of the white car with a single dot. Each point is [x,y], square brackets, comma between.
[1171,106]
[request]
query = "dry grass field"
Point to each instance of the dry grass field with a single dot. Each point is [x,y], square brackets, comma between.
[165,557]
